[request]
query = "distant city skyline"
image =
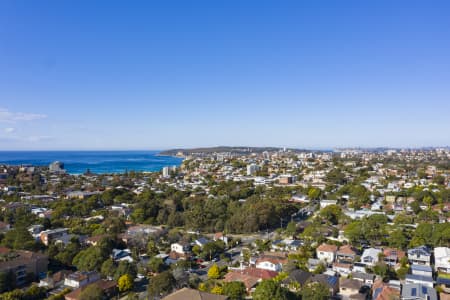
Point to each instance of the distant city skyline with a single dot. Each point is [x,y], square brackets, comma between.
[105,75]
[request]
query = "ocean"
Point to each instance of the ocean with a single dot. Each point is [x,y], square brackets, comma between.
[99,162]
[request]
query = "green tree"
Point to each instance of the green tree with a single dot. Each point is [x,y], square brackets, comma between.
[108,268]
[381,269]
[19,238]
[161,284]
[428,200]
[235,290]
[91,292]
[331,213]
[125,267]
[422,235]
[315,291]
[354,232]
[90,259]
[398,239]
[156,265]
[291,228]
[320,268]
[269,289]
[125,283]
[152,249]
[7,281]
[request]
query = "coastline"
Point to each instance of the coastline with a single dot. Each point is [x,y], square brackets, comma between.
[97,162]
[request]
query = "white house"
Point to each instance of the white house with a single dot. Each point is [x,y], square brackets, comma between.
[80,279]
[220,236]
[326,253]
[442,259]
[325,203]
[342,268]
[420,255]
[370,256]
[267,265]
[119,255]
[180,248]
[270,263]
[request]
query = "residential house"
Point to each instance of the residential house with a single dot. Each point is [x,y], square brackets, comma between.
[343,269]
[121,209]
[383,291]
[81,194]
[94,240]
[370,256]
[296,279]
[219,236]
[122,254]
[56,280]
[442,259]
[48,236]
[109,288]
[420,255]
[332,282]
[271,263]
[418,291]
[286,245]
[359,267]
[352,289]
[393,256]
[300,198]
[180,250]
[313,264]
[201,242]
[35,231]
[422,270]
[249,276]
[325,203]
[326,253]
[419,279]
[249,281]
[366,278]
[81,279]
[345,254]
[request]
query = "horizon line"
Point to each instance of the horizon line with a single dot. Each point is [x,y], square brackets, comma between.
[207,147]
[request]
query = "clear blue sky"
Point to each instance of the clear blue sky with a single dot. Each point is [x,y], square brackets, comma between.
[161,74]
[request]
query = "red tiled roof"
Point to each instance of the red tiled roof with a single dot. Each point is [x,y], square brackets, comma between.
[393,252]
[346,249]
[247,280]
[327,248]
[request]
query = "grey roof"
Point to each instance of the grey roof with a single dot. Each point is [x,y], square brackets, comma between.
[419,278]
[202,241]
[422,268]
[421,251]
[299,276]
[365,276]
[418,291]
[330,281]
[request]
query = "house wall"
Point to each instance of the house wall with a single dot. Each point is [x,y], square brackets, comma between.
[326,256]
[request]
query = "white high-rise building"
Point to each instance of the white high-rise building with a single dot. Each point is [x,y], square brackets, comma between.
[252,169]
[166,172]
